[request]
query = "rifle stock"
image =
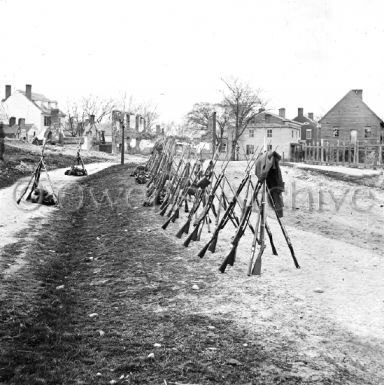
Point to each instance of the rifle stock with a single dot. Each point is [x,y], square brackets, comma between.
[184,229]
[192,237]
[229,260]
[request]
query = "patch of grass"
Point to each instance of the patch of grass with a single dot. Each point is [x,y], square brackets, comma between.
[30,155]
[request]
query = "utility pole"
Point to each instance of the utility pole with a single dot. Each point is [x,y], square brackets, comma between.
[122,138]
[213,132]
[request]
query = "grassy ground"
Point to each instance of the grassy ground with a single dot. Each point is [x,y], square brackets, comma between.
[103,288]
[20,159]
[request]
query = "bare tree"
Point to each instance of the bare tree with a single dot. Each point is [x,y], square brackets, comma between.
[99,107]
[198,118]
[145,109]
[223,119]
[76,118]
[150,115]
[201,114]
[242,104]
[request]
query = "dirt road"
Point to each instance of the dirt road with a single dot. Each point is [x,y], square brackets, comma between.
[15,218]
[106,296]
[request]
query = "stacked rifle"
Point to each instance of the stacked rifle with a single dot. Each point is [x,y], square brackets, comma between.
[201,189]
[78,168]
[37,193]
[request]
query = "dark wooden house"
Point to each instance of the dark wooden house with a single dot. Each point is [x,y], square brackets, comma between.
[351,121]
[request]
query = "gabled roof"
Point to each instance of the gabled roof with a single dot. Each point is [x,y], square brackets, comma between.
[354,95]
[41,98]
[304,120]
[276,116]
[38,97]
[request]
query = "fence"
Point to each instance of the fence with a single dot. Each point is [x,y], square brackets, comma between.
[352,155]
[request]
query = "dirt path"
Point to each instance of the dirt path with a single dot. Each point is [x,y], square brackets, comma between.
[104,288]
[15,218]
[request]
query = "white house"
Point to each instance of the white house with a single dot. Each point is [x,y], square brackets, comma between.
[276,131]
[35,109]
[3,114]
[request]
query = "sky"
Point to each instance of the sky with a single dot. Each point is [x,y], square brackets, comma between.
[174,53]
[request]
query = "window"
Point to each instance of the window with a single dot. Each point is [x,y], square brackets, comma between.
[47,120]
[249,149]
[336,132]
[308,134]
[367,132]
[269,147]
[269,133]
[251,133]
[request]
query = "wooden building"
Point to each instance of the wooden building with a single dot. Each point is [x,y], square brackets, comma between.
[351,121]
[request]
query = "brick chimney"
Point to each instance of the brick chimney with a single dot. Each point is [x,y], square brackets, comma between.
[359,93]
[158,129]
[55,119]
[261,110]
[91,119]
[300,112]
[282,112]
[12,121]
[28,91]
[8,91]
[310,115]
[21,122]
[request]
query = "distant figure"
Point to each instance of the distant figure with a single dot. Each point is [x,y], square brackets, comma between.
[2,146]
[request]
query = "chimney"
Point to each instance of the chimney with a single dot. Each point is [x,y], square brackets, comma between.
[261,110]
[21,122]
[310,115]
[28,91]
[55,120]
[8,91]
[359,93]
[91,119]
[300,112]
[282,112]
[158,129]
[12,121]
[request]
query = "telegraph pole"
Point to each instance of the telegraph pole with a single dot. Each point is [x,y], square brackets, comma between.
[213,132]
[122,139]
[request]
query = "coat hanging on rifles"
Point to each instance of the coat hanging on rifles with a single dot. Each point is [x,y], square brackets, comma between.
[267,168]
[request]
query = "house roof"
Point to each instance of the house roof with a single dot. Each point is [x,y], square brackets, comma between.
[276,116]
[35,97]
[354,95]
[305,121]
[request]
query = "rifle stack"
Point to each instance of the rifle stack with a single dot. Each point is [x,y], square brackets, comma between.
[182,182]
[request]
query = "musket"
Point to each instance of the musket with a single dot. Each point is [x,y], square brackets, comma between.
[174,190]
[284,231]
[202,184]
[178,199]
[164,176]
[267,228]
[211,245]
[207,207]
[230,259]
[172,187]
[260,227]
